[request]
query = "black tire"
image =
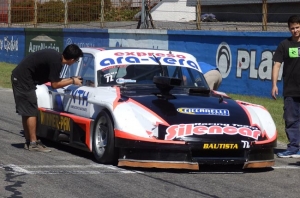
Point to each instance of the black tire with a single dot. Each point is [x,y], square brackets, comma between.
[104,139]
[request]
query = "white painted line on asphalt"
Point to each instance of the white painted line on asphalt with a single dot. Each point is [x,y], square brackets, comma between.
[67,166]
[286,167]
[18,169]
[70,172]
[104,169]
[217,172]
[27,169]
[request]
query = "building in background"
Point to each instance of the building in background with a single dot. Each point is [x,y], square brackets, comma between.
[226,10]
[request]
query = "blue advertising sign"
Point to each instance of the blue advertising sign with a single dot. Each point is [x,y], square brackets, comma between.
[243,58]
[12,45]
[86,37]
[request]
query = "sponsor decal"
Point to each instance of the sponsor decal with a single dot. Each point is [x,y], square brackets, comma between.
[81,96]
[246,144]
[112,67]
[220,146]
[143,54]
[78,108]
[146,58]
[203,111]
[122,81]
[79,99]
[224,59]
[109,76]
[80,44]
[9,44]
[56,121]
[182,130]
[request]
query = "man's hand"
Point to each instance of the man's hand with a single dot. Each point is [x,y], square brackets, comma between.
[275,73]
[274,92]
[77,80]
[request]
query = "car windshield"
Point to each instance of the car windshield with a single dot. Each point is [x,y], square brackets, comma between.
[143,74]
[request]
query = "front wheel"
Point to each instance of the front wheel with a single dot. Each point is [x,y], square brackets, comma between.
[104,139]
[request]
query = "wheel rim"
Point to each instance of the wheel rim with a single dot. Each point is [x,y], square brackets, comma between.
[101,135]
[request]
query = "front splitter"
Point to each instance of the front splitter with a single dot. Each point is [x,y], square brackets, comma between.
[185,165]
[158,164]
[259,164]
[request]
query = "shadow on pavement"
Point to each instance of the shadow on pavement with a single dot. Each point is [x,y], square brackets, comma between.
[61,147]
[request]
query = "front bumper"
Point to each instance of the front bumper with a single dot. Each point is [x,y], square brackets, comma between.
[191,156]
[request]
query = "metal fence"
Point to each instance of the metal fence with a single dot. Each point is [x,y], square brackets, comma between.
[146,14]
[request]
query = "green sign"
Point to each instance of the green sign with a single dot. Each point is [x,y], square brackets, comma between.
[41,38]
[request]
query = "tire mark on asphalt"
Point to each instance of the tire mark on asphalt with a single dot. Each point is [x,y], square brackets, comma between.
[10,177]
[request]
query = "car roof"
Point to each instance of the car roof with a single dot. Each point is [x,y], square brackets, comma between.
[100,49]
[109,56]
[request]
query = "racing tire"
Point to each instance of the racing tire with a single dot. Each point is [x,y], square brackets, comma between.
[104,139]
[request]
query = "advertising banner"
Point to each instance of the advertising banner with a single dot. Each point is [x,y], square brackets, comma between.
[43,38]
[243,58]
[86,37]
[12,45]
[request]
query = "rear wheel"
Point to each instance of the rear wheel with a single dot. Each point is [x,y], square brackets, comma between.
[104,139]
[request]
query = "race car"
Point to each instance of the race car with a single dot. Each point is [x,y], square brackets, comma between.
[153,109]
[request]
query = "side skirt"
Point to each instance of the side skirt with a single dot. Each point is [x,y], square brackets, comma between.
[65,128]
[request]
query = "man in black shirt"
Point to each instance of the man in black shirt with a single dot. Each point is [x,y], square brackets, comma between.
[38,68]
[288,52]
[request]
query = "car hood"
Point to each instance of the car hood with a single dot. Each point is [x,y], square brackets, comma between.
[195,109]
[202,117]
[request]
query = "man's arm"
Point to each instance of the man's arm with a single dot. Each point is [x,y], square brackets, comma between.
[275,73]
[67,81]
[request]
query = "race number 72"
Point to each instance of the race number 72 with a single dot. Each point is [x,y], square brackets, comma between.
[245,144]
[109,76]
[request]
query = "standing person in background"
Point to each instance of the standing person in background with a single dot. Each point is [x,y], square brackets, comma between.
[38,68]
[212,75]
[288,52]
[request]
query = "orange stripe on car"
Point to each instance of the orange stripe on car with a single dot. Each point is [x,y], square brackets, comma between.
[116,101]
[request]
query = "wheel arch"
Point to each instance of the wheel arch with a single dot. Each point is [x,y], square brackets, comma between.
[114,154]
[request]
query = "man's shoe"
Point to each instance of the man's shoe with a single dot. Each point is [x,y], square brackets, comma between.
[26,146]
[38,146]
[296,155]
[285,154]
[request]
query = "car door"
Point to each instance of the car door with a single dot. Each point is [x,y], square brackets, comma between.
[57,95]
[76,97]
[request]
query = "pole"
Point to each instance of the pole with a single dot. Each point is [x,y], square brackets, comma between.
[198,15]
[143,15]
[66,14]
[102,14]
[35,21]
[9,13]
[264,15]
